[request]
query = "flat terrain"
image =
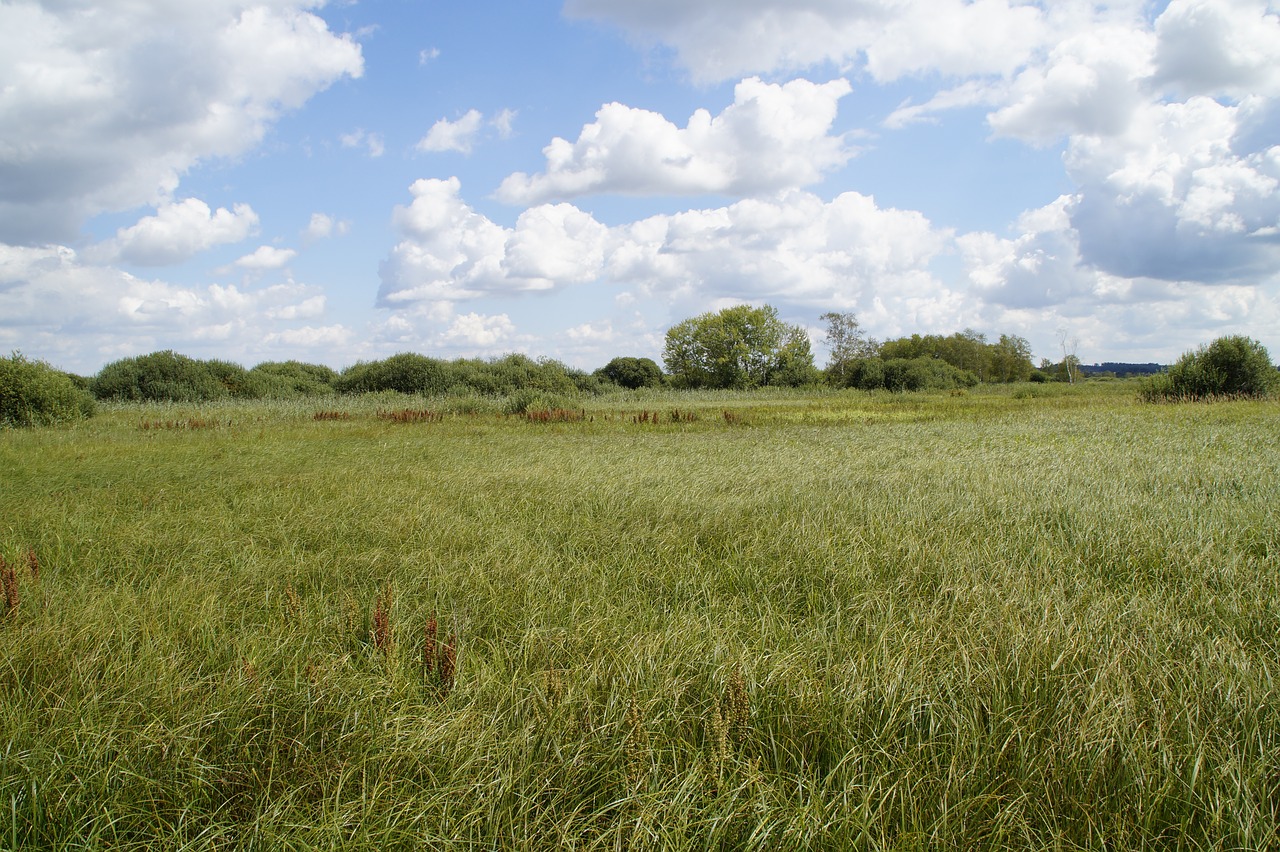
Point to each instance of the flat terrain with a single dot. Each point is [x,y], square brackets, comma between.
[1023,617]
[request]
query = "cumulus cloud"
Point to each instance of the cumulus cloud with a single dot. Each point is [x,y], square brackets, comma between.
[266,257]
[315,338]
[106,111]
[1180,196]
[1210,47]
[450,252]
[1091,83]
[476,331]
[796,246]
[461,135]
[722,39]
[1169,118]
[80,314]
[446,135]
[322,226]
[772,137]
[177,232]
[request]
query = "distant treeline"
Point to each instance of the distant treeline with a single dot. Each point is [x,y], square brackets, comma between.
[1121,370]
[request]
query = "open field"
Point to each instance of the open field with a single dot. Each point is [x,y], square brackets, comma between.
[1026,617]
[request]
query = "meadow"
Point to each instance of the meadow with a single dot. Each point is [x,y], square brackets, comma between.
[1040,617]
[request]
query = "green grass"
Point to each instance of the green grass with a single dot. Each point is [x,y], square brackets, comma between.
[1029,617]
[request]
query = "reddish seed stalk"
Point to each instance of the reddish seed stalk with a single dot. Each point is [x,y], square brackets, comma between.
[9,579]
[430,647]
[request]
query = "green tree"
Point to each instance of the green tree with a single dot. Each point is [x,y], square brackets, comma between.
[738,347]
[1011,360]
[1229,366]
[848,344]
[632,373]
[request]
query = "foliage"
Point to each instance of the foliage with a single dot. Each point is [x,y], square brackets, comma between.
[848,343]
[1008,360]
[166,376]
[920,374]
[632,373]
[738,347]
[32,393]
[417,374]
[406,372]
[292,379]
[1232,366]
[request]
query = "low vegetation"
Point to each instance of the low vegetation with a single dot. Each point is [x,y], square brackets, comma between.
[1232,366]
[32,393]
[1006,617]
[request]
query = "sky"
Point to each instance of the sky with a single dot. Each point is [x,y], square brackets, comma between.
[265,180]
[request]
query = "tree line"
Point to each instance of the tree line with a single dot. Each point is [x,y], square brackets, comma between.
[739,347]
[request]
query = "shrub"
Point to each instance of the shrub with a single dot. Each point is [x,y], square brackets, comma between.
[32,393]
[406,372]
[292,379]
[632,373]
[924,373]
[1229,366]
[906,374]
[165,376]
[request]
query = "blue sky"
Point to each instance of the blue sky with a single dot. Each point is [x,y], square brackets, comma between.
[341,181]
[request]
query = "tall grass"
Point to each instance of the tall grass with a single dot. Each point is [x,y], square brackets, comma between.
[834,620]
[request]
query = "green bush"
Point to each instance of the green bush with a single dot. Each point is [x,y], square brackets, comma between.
[166,376]
[924,373]
[291,380]
[1232,366]
[906,374]
[632,373]
[406,372]
[32,393]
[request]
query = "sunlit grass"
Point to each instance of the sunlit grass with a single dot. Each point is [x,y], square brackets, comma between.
[986,620]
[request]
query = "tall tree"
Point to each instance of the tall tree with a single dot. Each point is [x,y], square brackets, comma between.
[738,347]
[848,343]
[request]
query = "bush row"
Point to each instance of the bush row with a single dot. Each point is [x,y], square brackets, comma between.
[173,377]
[906,374]
[1232,366]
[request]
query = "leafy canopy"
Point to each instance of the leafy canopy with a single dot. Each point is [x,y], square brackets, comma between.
[1229,366]
[32,393]
[738,347]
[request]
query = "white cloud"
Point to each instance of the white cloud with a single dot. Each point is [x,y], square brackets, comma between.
[1210,47]
[1181,196]
[1040,280]
[772,137]
[428,54]
[80,315]
[476,331]
[266,257]
[359,138]
[322,226]
[177,232]
[1091,83]
[316,339]
[106,111]
[447,135]
[592,333]
[722,39]
[797,247]
[504,122]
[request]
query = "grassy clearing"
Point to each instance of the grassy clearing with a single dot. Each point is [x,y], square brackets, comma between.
[990,620]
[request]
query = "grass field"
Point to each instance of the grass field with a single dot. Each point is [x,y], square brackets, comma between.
[1026,617]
